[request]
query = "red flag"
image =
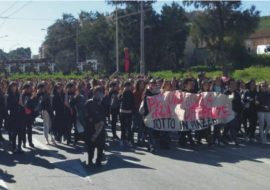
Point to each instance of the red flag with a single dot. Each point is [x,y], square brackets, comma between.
[126,60]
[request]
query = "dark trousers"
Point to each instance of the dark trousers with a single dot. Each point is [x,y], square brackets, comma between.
[17,132]
[184,136]
[114,114]
[251,117]
[231,128]
[126,121]
[217,133]
[1,123]
[91,151]
[204,133]
[27,129]
[68,132]
[164,140]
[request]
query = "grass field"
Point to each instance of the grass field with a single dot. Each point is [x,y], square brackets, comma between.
[258,73]
[264,23]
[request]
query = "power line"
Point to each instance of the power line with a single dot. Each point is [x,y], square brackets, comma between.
[20,8]
[14,12]
[24,18]
[10,7]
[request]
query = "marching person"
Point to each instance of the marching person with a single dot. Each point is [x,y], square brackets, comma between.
[188,86]
[58,108]
[263,104]
[44,105]
[126,110]
[79,101]
[15,116]
[114,107]
[28,105]
[70,114]
[137,117]
[2,112]
[249,98]
[151,90]
[237,106]
[95,126]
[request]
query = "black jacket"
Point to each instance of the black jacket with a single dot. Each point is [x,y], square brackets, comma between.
[147,93]
[264,100]
[249,98]
[127,101]
[237,104]
[58,106]
[95,113]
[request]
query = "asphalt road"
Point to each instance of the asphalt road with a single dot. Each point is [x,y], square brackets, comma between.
[62,167]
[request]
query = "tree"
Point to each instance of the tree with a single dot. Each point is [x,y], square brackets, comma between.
[20,53]
[222,25]
[174,34]
[60,41]
[97,38]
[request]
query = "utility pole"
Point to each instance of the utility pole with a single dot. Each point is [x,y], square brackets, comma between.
[142,62]
[116,43]
[77,45]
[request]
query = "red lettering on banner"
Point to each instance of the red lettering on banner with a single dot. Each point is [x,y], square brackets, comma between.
[162,111]
[220,112]
[152,103]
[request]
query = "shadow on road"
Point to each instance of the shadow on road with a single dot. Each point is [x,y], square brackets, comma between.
[217,155]
[6,177]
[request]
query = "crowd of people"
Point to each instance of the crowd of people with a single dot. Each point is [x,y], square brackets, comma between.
[85,109]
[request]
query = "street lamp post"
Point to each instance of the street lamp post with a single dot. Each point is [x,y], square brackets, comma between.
[142,61]
[116,43]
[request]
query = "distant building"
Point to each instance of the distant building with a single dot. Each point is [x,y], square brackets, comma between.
[261,37]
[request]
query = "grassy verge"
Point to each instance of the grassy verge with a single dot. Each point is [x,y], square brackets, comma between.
[258,73]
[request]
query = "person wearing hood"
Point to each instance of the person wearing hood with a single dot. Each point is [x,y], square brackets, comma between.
[95,119]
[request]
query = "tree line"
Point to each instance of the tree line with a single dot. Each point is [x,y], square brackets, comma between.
[219,27]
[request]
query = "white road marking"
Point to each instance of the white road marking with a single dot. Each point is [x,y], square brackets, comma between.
[40,145]
[44,147]
[3,185]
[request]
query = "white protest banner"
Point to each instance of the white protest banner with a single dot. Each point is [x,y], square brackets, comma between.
[182,111]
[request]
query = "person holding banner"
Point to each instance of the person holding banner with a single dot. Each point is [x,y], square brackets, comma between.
[151,134]
[204,133]
[164,135]
[237,107]
[188,85]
